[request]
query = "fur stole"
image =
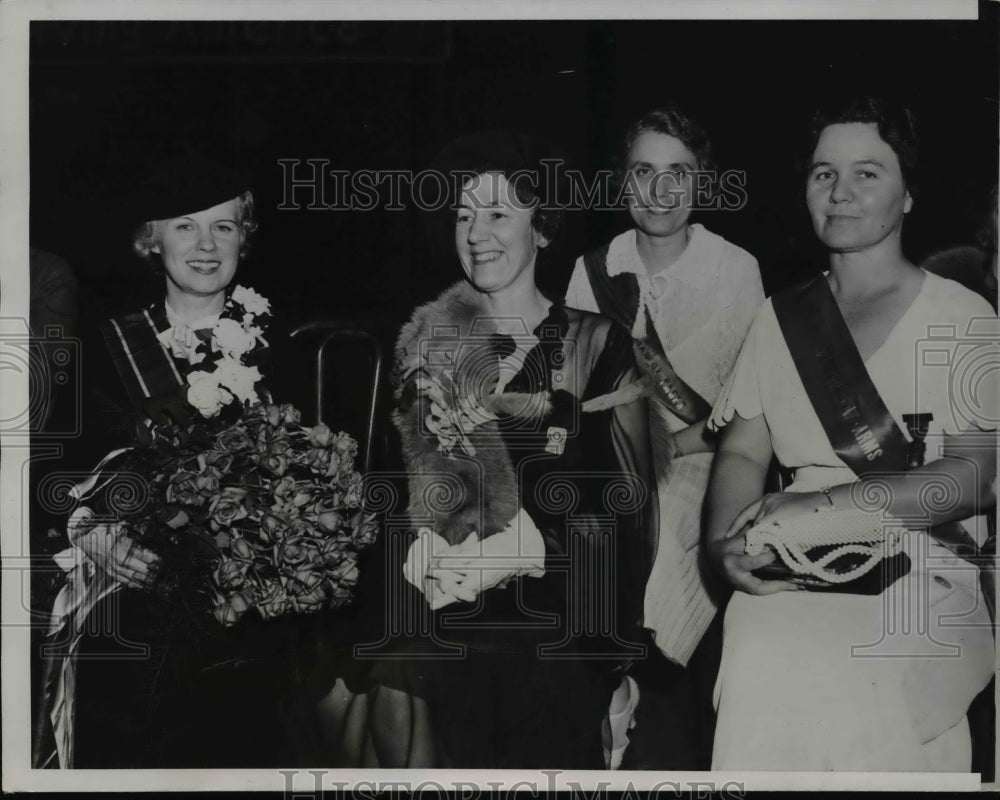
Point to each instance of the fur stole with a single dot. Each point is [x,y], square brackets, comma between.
[456,493]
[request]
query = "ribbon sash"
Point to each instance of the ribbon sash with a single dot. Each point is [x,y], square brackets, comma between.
[859,426]
[618,298]
[144,364]
[89,485]
[856,421]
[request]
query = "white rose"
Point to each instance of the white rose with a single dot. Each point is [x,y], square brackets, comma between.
[251,301]
[229,338]
[238,379]
[205,393]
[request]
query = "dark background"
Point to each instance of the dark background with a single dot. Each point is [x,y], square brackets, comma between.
[109,98]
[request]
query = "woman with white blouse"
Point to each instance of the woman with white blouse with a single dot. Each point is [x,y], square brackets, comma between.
[858,381]
[688,296]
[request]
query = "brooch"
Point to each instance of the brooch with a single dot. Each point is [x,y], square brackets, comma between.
[556,441]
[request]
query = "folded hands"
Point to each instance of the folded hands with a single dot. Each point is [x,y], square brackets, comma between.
[447,574]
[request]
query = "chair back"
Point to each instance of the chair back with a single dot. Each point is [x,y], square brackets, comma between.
[347,379]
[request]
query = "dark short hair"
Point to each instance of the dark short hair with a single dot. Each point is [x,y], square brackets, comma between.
[897,125]
[522,159]
[546,218]
[671,121]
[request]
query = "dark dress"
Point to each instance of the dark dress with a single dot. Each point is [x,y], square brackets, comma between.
[157,685]
[522,678]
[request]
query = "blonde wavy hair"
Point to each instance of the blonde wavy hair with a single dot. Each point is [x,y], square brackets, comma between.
[147,235]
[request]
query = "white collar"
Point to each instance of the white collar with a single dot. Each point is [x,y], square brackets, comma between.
[180,338]
[693,267]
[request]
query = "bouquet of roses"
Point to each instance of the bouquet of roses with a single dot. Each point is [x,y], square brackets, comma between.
[244,507]
[261,513]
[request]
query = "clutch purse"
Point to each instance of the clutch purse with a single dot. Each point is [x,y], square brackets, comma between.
[833,551]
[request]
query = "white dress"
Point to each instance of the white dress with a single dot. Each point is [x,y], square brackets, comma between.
[702,306]
[825,681]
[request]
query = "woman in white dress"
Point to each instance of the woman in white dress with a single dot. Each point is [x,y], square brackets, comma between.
[817,680]
[691,295]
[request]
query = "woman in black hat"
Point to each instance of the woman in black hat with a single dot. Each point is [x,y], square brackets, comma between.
[193,222]
[524,437]
[131,683]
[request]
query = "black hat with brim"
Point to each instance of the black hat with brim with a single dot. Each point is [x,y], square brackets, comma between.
[185,184]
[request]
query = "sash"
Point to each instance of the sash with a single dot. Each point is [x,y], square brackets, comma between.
[146,368]
[618,298]
[853,415]
[859,426]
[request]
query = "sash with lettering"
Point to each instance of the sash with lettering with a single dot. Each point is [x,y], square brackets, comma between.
[855,419]
[618,298]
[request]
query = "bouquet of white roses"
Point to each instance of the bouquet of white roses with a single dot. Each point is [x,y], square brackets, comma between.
[224,368]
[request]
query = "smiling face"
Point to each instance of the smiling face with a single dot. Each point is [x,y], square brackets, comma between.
[855,191]
[659,183]
[494,237]
[200,251]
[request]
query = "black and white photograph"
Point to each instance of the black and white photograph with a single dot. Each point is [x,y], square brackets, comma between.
[576,396]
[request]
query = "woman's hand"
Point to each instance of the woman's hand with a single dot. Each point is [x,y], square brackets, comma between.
[474,566]
[439,586]
[731,561]
[454,574]
[734,503]
[112,551]
[777,506]
[466,570]
[729,553]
